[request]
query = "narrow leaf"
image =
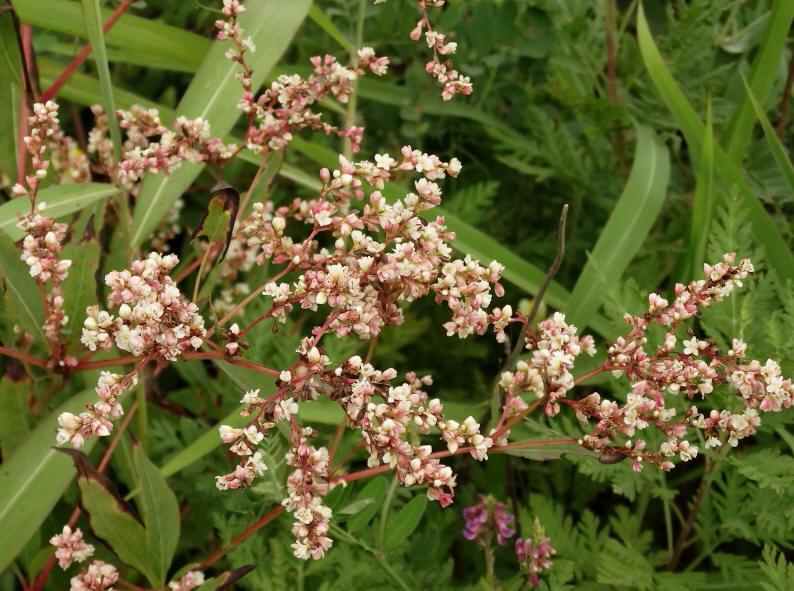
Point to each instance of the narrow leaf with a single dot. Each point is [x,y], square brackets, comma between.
[61,200]
[93,26]
[627,227]
[779,257]
[405,522]
[211,96]
[703,207]
[10,62]
[319,17]
[374,490]
[33,479]
[160,515]
[10,94]
[21,292]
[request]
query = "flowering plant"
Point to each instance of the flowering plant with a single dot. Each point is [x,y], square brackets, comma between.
[207,347]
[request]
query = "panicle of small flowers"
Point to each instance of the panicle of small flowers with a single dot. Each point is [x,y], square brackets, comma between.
[98,576]
[486,519]
[40,250]
[70,547]
[694,370]
[306,487]
[533,553]
[154,318]
[190,580]
[449,78]
[42,125]
[96,420]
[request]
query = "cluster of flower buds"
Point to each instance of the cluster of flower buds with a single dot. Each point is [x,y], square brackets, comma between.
[70,547]
[40,251]
[533,553]
[97,419]
[486,519]
[306,487]
[382,254]
[154,318]
[449,78]
[694,370]
[42,125]
[285,107]
[99,576]
[190,580]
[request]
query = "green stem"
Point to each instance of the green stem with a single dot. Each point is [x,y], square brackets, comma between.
[352,104]
[143,419]
[384,513]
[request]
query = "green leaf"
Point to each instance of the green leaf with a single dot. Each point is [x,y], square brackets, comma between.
[703,207]
[405,522]
[779,257]
[61,200]
[212,94]
[10,62]
[762,76]
[778,151]
[319,17]
[141,35]
[16,419]
[93,26]
[80,287]
[545,448]
[374,490]
[111,519]
[33,479]
[160,515]
[21,292]
[627,227]
[10,94]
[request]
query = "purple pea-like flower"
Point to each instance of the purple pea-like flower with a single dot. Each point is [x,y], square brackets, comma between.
[486,518]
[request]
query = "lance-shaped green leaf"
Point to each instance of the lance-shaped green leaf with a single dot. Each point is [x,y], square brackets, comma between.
[61,200]
[160,514]
[80,287]
[703,206]
[212,94]
[779,257]
[10,62]
[627,227]
[33,479]
[9,120]
[542,449]
[405,522]
[111,518]
[93,26]
[20,290]
[374,490]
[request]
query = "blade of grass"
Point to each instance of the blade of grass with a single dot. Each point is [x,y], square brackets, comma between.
[779,257]
[319,17]
[778,151]
[762,75]
[703,205]
[271,24]
[93,27]
[628,226]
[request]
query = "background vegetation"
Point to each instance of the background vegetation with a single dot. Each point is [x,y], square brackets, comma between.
[647,126]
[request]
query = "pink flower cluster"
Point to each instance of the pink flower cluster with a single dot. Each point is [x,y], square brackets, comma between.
[96,420]
[449,78]
[533,553]
[486,519]
[70,547]
[694,370]
[306,487]
[190,580]
[40,251]
[154,318]
[99,576]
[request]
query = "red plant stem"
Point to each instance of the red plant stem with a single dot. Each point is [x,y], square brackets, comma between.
[186,355]
[240,538]
[595,372]
[80,58]
[88,365]
[254,366]
[23,357]
[41,578]
[504,428]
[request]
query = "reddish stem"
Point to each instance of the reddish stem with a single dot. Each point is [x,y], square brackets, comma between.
[23,357]
[239,539]
[80,58]
[88,365]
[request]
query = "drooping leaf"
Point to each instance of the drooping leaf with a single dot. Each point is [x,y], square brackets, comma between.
[374,490]
[160,514]
[33,479]
[111,518]
[627,227]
